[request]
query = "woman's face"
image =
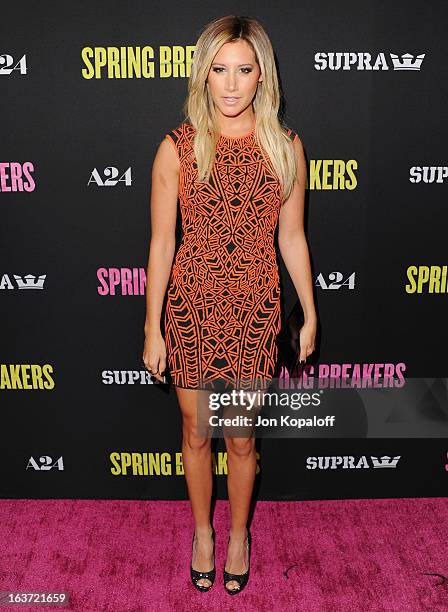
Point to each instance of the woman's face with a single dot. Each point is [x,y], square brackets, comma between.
[233,78]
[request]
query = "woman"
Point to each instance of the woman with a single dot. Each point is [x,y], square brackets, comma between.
[237,172]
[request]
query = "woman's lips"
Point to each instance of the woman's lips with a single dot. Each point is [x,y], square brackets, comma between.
[230,99]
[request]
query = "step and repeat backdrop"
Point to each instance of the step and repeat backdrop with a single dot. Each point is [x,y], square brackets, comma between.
[88,91]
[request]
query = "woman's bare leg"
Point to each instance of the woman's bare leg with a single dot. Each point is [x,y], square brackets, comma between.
[241,467]
[196,457]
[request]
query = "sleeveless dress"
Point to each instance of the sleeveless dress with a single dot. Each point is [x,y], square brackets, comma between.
[223,305]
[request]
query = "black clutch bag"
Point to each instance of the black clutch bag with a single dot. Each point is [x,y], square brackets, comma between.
[288,339]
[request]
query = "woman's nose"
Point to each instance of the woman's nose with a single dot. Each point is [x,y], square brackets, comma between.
[230,82]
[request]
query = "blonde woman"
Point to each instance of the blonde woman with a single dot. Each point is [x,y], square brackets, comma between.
[237,171]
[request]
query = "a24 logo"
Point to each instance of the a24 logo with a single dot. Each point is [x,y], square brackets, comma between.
[7,61]
[335,280]
[45,463]
[112,175]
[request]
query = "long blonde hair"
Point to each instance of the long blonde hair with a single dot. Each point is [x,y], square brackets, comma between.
[199,109]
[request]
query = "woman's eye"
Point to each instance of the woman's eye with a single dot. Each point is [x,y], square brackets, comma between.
[219,69]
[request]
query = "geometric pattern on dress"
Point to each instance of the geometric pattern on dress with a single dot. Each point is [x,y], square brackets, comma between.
[223,306]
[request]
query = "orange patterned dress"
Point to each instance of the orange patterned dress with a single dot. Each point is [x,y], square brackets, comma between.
[223,305]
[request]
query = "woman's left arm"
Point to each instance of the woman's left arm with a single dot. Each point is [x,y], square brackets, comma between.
[294,251]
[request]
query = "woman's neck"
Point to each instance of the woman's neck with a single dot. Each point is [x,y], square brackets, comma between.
[236,126]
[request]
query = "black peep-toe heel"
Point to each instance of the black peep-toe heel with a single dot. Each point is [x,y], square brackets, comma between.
[242,579]
[196,575]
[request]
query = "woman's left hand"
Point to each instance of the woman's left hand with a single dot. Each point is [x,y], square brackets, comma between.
[307,336]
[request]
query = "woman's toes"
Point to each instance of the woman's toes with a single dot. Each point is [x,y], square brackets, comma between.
[232,585]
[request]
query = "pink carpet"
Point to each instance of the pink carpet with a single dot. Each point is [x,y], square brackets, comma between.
[316,556]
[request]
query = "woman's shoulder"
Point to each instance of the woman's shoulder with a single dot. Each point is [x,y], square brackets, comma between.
[292,135]
[181,134]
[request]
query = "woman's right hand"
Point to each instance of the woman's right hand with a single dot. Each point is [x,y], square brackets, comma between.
[154,354]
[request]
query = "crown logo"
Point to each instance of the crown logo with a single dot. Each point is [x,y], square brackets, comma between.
[29,281]
[385,461]
[407,61]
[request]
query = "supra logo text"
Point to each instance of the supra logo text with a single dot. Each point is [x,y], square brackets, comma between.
[350,462]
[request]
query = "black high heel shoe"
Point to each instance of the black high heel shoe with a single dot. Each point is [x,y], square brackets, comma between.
[242,579]
[196,575]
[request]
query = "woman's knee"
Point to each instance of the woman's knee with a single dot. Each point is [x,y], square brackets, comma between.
[192,438]
[240,447]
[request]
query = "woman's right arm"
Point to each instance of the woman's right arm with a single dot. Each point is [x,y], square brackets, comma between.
[164,194]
